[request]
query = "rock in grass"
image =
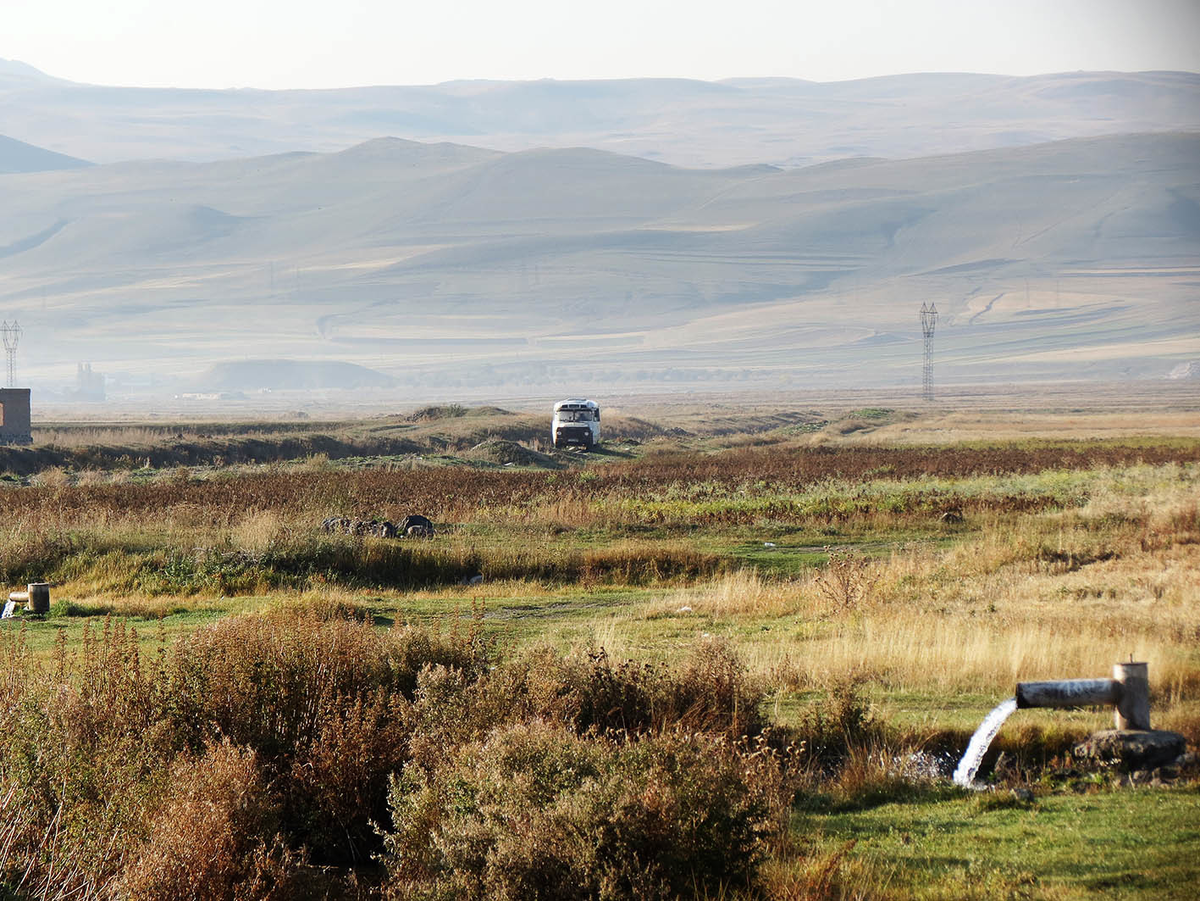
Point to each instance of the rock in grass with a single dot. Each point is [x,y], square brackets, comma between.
[1132,750]
[416,526]
[380,528]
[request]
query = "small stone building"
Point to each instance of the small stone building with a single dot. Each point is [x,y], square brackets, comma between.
[14,416]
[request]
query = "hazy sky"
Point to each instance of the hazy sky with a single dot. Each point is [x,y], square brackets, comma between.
[338,43]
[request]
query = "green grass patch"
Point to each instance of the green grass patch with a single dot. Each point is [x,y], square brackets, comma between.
[1111,844]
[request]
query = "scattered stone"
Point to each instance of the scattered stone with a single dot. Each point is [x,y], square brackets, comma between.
[416,526]
[1188,763]
[336,525]
[1132,750]
[412,527]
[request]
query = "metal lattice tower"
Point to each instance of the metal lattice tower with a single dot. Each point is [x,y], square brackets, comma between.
[929,317]
[11,333]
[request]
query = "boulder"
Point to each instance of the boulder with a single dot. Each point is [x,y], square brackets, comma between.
[1132,750]
[416,526]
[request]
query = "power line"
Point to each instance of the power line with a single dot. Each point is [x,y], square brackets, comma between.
[11,333]
[928,323]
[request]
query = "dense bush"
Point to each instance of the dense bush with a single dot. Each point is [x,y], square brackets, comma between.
[231,764]
[214,835]
[536,812]
[324,705]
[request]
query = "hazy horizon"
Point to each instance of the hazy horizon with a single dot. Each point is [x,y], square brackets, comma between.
[626,196]
[280,45]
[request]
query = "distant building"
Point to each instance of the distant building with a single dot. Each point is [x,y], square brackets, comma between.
[89,385]
[14,416]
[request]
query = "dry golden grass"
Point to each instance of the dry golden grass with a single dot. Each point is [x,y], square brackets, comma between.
[952,427]
[1038,596]
[740,593]
[259,530]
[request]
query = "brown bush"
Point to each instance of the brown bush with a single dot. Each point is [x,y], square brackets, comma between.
[323,702]
[536,812]
[711,692]
[215,836]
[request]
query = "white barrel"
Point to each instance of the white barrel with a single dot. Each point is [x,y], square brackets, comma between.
[39,597]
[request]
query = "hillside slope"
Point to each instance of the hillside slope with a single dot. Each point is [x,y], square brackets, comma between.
[450,265]
[17,156]
[786,122]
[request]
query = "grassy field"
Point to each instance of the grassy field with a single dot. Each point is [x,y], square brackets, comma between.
[870,581]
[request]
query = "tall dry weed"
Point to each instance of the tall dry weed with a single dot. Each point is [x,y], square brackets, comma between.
[737,593]
[259,531]
[214,836]
[535,811]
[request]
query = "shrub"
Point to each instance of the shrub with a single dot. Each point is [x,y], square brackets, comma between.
[206,770]
[848,581]
[323,702]
[215,836]
[711,692]
[81,758]
[535,811]
[831,730]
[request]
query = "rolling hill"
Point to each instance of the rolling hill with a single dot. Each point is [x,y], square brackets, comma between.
[784,122]
[17,156]
[453,266]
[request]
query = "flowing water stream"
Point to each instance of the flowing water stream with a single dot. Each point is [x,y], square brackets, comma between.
[969,765]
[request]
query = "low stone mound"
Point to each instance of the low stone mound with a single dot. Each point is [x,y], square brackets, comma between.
[416,526]
[436,413]
[502,452]
[341,525]
[1129,749]
[412,526]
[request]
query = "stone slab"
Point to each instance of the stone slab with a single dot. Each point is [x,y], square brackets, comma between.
[1131,749]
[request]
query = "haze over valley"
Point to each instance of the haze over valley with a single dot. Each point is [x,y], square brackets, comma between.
[752,232]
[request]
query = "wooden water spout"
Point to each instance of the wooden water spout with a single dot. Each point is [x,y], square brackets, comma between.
[1132,745]
[36,597]
[1128,691]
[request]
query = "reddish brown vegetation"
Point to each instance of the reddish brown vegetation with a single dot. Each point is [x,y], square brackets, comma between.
[221,768]
[455,494]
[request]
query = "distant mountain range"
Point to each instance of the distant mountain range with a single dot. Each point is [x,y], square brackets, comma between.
[446,266]
[783,122]
[753,231]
